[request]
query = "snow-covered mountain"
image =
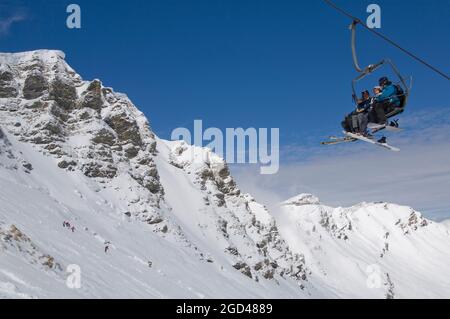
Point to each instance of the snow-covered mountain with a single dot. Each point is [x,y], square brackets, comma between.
[155,218]
[369,250]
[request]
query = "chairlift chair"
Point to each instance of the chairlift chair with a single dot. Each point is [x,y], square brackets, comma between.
[374,67]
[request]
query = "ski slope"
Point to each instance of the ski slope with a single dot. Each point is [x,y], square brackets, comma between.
[37,203]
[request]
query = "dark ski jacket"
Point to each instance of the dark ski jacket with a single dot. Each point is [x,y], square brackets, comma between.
[364,105]
[389,93]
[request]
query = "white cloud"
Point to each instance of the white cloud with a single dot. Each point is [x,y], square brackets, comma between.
[418,176]
[6,23]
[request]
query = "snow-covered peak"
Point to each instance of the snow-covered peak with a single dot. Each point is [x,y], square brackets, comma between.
[248,233]
[37,64]
[46,56]
[302,199]
[84,126]
[346,247]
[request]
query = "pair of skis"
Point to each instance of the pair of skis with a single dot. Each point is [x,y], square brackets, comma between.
[353,137]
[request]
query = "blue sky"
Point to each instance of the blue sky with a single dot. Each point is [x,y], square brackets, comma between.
[284,64]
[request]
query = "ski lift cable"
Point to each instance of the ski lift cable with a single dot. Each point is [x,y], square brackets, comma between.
[385,38]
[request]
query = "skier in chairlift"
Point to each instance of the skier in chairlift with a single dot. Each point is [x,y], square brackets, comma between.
[356,122]
[376,91]
[372,113]
[388,99]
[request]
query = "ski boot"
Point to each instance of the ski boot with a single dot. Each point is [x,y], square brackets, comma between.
[394,123]
[382,140]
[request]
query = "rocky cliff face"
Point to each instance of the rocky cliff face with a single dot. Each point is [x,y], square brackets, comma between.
[82,125]
[243,228]
[86,128]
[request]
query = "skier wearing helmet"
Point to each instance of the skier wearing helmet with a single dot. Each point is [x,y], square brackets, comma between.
[387,98]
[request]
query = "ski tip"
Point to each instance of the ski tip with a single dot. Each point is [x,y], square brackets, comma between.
[389,147]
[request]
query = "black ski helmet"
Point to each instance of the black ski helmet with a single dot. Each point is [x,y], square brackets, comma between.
[383,81]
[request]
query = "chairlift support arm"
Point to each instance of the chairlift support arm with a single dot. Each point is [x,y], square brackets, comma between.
[372,67]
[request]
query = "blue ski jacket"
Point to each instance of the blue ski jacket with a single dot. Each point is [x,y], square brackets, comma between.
[389,93]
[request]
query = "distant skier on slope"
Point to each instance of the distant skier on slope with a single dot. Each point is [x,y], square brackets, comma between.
[107,243]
